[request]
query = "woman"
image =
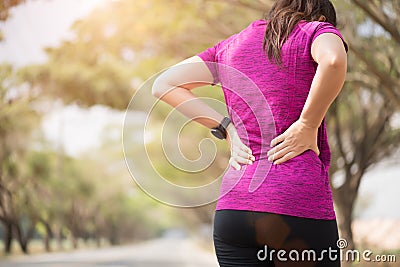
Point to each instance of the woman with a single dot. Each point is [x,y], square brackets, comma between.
[297,59]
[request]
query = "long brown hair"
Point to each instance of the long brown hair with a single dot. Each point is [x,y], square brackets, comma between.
[285,15]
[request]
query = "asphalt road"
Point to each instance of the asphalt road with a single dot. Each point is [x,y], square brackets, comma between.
[156,253]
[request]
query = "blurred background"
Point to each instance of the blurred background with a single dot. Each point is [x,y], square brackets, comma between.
[68,69]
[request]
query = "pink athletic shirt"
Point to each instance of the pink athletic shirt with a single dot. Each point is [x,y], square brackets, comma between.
[263,100]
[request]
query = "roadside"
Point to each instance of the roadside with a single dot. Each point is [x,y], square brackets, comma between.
[163,252]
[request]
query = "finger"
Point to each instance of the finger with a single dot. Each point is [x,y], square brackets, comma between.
[243,160]
[280,154]
[277,140]
[277,148]
[234,164]
[285,158]
[246,149]
[246,155]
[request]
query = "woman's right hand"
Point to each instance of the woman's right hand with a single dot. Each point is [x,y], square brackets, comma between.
[240,153]
[298,138]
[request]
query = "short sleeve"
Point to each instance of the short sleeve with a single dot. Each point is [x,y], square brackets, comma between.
[209,56]
[325,27]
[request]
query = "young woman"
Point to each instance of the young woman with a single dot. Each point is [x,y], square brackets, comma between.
[297,60]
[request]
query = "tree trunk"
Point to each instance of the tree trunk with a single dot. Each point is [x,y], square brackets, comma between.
[113,236]
[20,238]
[24,240]
[345,197]
[98,241]
[7,237]
[345,220]
[46,241]
[48,236]
[59,238]
[74,241]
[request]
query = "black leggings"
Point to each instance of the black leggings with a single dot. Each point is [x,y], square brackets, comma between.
[246,239]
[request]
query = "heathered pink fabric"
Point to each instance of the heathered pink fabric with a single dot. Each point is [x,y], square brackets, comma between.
[261,111]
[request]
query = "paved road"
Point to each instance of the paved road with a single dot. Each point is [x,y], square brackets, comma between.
[155,253]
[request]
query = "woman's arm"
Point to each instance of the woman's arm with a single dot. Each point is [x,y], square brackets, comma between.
[328,51]
[330,54]
[173,87]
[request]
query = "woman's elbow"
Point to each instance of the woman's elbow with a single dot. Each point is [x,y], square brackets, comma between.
[158,87]
[335,61]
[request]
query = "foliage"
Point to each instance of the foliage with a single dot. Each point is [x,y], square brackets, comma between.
[123,43]
[17,121]
[5,7]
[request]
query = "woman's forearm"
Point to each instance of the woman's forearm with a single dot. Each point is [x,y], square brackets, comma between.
[327,83]
[174,87]
[182,99]
[188,104]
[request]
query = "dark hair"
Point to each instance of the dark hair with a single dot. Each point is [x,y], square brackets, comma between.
[285,15]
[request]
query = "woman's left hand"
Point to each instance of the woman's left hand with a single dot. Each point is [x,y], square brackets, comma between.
[295,140]
[240,153]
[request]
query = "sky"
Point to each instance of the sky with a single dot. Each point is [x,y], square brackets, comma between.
[37,24]
[42,23]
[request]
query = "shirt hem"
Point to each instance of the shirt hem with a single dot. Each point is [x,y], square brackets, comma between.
[297,213]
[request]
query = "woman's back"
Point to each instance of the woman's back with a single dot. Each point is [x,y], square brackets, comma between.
[279,77]
[263,100]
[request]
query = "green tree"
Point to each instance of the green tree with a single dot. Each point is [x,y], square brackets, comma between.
[381,16]
[44,201]
[17,120]
[360,139]
[123,43]
[122,211]
[46,191]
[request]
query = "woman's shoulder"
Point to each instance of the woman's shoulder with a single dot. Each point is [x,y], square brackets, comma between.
[237,37]
[259,22]
[314,28]
[315,25]
[303,23]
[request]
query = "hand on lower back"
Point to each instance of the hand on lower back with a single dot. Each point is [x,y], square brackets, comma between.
[294,141]
[240,153]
